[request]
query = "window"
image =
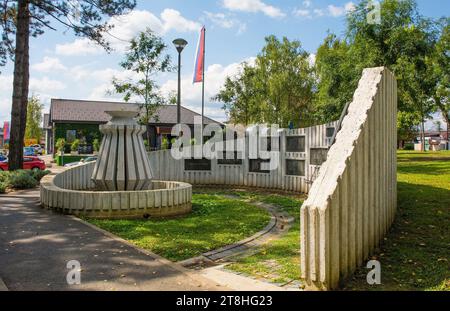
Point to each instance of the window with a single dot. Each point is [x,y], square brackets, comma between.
[255,165]
[295,144]
[225,161]
[295,167]
[71,135]
[330,132]
[318,156]
[197,165]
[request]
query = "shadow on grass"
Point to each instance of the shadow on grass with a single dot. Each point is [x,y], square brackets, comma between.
[414,254]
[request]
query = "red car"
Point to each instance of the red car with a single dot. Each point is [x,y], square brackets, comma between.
[29,163]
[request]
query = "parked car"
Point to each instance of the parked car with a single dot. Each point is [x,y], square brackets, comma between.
[29,151]
[3,158]
[38,149]
[82,161]
[29,163]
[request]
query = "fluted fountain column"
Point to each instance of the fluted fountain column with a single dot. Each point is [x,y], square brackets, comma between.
[122,163]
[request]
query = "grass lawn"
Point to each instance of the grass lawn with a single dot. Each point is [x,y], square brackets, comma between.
[215,221]
[415,253]
[279,260]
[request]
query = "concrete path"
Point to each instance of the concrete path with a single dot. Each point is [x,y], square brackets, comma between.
[36,245]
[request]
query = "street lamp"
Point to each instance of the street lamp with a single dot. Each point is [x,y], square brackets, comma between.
[179,45]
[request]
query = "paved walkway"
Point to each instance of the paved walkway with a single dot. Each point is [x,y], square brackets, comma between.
[35,246]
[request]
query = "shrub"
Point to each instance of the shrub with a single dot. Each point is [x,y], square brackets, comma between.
[3,187]
[75,145]
[22,180]
[38,174]
[60,144]
[408,146]
[4,177]
[96,145]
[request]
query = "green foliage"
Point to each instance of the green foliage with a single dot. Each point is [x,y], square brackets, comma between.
[3,187]
[75,144]
[278,88]
[60,144]
[96,145]
[403,42]
[83,17]
[34,119]
[39,174]
[164,143]
[145,57]
[21,179]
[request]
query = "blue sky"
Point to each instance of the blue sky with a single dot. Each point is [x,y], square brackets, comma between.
[63,66]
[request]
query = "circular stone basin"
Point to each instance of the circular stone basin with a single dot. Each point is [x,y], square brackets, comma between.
[70,192]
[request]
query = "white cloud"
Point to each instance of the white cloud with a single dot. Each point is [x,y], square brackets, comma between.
[337,11]
[49,64]
[127,26]
[80,47]
[6,83]
[226,21]
[45,85]
[319,12]
[307,3]
[302,13]
[253,6]
[214,78]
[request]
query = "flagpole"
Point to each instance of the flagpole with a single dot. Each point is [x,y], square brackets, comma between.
[203,83]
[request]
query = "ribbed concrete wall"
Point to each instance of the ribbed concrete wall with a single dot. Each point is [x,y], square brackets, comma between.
[165,167]
[352,202]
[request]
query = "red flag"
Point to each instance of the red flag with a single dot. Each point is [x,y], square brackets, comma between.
[6,131]
[200,58]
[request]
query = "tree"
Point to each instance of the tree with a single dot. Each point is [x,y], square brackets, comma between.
[145,57]
[34,119]
[402,41]
[21,19]
[439,64]
[277,89]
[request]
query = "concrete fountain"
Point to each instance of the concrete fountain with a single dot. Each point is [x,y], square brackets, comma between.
[119,184]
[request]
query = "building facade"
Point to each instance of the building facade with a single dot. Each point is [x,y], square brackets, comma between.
[80,119]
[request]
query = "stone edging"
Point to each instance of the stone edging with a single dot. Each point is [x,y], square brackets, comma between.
[279,223]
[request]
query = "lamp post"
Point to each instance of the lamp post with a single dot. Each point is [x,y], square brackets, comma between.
[179,45]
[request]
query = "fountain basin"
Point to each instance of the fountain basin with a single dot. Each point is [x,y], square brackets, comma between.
[73,192]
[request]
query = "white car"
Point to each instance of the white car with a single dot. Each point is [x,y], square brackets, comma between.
[86,160]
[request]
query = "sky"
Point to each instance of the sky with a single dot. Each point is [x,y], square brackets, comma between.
[65,66]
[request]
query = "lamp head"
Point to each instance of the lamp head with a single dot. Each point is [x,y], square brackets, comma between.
[179,44]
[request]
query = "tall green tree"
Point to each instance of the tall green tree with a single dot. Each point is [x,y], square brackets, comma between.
[20,19]
[277,89]
[402,41]
[34,119]
[145,57]
[439,74]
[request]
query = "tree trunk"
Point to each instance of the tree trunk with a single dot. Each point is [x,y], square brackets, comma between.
[20,87]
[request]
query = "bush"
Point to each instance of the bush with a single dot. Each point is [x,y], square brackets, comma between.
[75,145]
[96,145]
[22,180]
[408,146]
[60,144]
[3,187]
[4,177]
[38,174]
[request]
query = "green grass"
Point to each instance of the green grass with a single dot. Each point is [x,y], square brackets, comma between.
[279,260]
[415,253]
[215,221]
